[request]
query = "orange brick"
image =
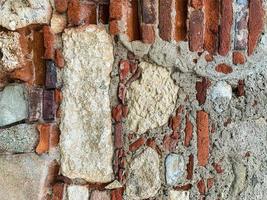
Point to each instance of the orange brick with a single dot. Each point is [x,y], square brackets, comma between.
[190,167]
[114,27]
[202,137]
[196,26]
[180,20]
[188,131]
[238,58]
[115,9]
[49,39]
[138,143]
[61,5]
[223,68]
[133,28]
[59,59]
[148,33]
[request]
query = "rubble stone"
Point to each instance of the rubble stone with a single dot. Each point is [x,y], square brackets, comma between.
[175,168]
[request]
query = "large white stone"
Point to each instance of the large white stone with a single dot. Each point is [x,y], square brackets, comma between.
[86,138]
[178,195]
[23,176]
[151,99]
[16,14]
[13,104]
[77,192]
[11,56]
[144,177]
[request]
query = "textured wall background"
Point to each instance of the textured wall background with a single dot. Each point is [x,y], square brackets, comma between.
[128,99]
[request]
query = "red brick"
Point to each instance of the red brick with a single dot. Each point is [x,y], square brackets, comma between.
[211,25]
[217,168]
[165,24]
[240,88]
[118,135]
[180,20]
[196,25]
[225,27]
[58,191]
[74,9]
[151,143]
[201,88]
[190,167]
[117,194]
[124,69]
[61,5]
[255,24]
[122,92]
[197,4]
[133,27]
[223,68]
[149,11]
[209,57]
[183,187]
[210,183]
[175,122]
[201,186]
[117,113]
[188,131]
[114,27]
[138,143]
[59,59]
[202,138]
[170,141]
[147,33]
[238,58]
[49,39]
[125,111]
[115,9]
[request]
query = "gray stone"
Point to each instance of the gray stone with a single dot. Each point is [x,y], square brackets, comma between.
[175,167]
[86,138]
[13,104]
[151,99]
[178,195]
[11,53]
[77,192]
[144,177]
[18,139]
[16,14]
[22,176]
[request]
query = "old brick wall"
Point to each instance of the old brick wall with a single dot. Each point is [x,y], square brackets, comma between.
[133,99]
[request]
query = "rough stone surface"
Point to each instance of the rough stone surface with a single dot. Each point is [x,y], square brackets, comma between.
[22,176]
[18,139]
[11,56]
[175,167]
[16,14]
[58,23]
[13,104]
[86,142]
[77,192]
[178,195]
[151,99]
[144,178]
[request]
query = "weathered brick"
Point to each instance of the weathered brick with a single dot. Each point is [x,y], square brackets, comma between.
[241,25]
[51,75]
[117,194]
[224,68]
[58,191]
[202,138]
[255,24]
[118,135]
[196,4]
[190,167]
[149,11]
[209,57]
[188,131]
[170,141]
[211,25]
[138,143]
[165,22]
[35,103]
[183,187]
[217,168]
[225,27]
[238,58]
[103,13]
[132,27]
[180,20]
[240,88]
[115,9]
[201,186]
[117,113]
[210,183]
[114,27]
[147,33]
[196,23]
[201,88]
[49,107]
[61,5]
[124,69]
[59,58]
[48,43]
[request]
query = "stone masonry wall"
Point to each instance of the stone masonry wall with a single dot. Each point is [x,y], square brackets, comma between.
[133,99]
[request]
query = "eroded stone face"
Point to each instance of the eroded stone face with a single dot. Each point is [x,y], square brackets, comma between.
[152,99]
[144,179]
[13,104]
[86,140]
[11,56]
[22,176]
[18,139]
[16,14]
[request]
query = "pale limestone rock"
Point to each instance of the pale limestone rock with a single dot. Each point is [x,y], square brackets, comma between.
[99,195]
[113,185]
[86,138]
[151,99]
[178,195]
[11,56]
[16,14]
[13,104]
[175,167]
[77,192]
[58,23]
[23,176]
[18,139]
[144,177]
